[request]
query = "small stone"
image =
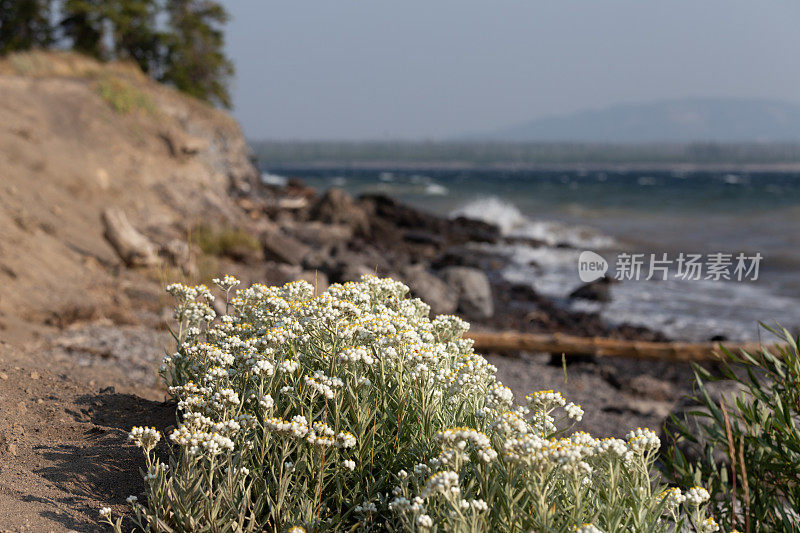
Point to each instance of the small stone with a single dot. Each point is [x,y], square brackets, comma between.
[3,376]
[12,449]
[34,375]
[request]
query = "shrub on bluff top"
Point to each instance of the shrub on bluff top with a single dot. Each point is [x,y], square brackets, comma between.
[354,411]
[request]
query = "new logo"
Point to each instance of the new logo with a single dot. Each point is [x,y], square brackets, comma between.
[591,266]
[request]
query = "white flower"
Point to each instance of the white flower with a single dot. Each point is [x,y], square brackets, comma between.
[289,366]
[697,496]
[349,464]
[588,528]
[709,525]
[226,283]
[574,411]
[131,499]
[674,497]
[424,520]
[144,437]
[440,482]
[643,440]
[479,505]
[105,512]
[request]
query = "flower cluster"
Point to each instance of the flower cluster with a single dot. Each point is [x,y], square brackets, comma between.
[298,409]
[144,437]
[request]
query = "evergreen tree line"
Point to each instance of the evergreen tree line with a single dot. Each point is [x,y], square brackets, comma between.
[178,42]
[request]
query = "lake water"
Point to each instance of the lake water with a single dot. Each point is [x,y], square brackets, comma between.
[624,212]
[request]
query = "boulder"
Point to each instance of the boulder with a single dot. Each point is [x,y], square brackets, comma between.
[319,258]
[338,207]
[596,291]
[652,388]
[416,236]
[435,292]
[279,246]
[353,272]
[464,229]
[280,273]
[473,290]
[400,214]
[177,253]
[322,234]
[181,144]
[132,247]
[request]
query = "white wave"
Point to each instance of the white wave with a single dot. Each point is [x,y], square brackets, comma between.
[512,222]
[274,179]
[734,179]
[495,211]
[434,189]
[553,233]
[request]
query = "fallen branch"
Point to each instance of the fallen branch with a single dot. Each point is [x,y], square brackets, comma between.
[557,343]
[132,247]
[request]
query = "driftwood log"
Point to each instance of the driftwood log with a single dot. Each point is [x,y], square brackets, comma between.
[569,345]
[132,247]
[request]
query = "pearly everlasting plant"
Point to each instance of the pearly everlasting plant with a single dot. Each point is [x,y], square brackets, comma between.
[353,410]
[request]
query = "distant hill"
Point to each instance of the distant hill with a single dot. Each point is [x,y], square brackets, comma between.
[689,120]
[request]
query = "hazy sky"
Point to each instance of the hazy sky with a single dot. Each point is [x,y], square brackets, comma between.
[430,69]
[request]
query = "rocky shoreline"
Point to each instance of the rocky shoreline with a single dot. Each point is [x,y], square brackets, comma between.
[335,238]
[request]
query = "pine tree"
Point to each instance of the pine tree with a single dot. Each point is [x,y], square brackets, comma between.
[135,35]
[196,63]
[24,24]
[84,24]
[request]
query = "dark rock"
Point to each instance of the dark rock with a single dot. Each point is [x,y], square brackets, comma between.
[424,237]
[338,207]
[458,231]
[467,256]
[524,241]
[468,230]
[473,290]
[296,187]
[596,291]
[435,292]
[400,214]
[284,248]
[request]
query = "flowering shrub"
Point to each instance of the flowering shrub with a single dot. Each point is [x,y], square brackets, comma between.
[353,410]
